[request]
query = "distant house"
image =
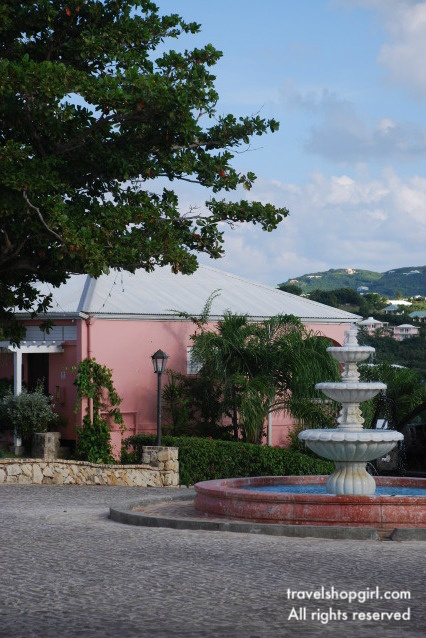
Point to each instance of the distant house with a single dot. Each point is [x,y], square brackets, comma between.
[405,331]
[362,289]
[392,308]
[419,315]
[400,302]
[121,319]
[371,325]
[397,307]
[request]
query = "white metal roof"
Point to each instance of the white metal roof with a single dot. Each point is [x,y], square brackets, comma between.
[160,293]
[368,322]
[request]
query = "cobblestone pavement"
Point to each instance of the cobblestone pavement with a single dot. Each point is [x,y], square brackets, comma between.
[67,571]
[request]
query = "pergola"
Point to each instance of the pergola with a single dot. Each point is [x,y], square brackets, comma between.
[26,347]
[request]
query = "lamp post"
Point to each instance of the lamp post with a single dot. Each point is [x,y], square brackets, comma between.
[159,361]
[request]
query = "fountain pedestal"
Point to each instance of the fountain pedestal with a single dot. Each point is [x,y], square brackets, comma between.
[351,446]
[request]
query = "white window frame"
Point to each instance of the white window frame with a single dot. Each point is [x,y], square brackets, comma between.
[191,367]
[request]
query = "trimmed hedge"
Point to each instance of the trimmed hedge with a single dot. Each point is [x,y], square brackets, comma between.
[203,459]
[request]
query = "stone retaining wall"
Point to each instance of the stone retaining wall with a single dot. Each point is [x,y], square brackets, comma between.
[164,473]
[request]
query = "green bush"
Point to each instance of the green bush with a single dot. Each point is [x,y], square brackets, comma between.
[93,382]
[28,412]
[205,459]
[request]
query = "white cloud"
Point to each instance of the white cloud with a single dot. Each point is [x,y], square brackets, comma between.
[345,134]
[337,221]
[404,54]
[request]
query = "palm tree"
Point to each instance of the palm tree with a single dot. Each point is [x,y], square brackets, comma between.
[405,391]
[263,367]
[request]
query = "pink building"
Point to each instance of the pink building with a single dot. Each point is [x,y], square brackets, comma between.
[371,325]
[405,331]
[122,319]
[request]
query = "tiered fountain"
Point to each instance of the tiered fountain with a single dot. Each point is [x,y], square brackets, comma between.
[348,497]
[350,446]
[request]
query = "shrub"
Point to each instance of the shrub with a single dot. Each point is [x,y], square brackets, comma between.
[28,412]
[93,381]
[193,407]
[205,459]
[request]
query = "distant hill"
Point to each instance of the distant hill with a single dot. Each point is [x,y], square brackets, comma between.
[408,281]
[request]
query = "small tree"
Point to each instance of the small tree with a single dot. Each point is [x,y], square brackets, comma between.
[263,367]
[193,406]
[28,412]
[93,437]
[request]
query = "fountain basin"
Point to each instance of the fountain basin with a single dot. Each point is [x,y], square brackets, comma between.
[351,445]
[229,498]
[351,354]
[350,392]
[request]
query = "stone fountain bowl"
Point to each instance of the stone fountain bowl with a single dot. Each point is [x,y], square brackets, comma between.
[350,392]
[231,498]
[350,354]
[350,445]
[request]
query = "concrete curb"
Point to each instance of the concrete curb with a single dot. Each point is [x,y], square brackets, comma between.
[408,534]
[124,514]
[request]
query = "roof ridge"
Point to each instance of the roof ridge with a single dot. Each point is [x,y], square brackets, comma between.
[87,294]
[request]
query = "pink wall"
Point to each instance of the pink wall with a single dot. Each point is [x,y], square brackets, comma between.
[126,347]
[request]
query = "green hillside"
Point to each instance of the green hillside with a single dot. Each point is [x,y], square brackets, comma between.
[408,281]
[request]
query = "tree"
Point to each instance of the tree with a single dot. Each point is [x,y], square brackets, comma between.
[405,391]
[262,367]
[89,116]
[336,298]
[326,297]
[293,289]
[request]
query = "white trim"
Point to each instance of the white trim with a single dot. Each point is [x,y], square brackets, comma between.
[159,317]
[27,347]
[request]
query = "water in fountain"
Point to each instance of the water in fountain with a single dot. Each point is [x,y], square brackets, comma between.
[351,446]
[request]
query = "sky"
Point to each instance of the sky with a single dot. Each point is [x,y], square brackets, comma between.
[346,80]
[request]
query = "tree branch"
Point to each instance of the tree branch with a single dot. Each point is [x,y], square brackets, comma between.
[183,179]
[40,216]
[19,264]
[8,251]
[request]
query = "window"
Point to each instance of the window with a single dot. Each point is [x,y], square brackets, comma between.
[191,366]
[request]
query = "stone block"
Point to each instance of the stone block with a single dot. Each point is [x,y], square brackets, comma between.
[48,472]
[164,455]
[24,480]
[13,469]
[45,445]
[2,476]
[37,474]
[27,469]
[58,478]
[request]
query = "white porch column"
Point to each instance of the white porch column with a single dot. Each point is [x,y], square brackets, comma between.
[269,432]
[17,388]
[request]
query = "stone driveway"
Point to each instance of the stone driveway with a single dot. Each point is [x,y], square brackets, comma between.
[67,571]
